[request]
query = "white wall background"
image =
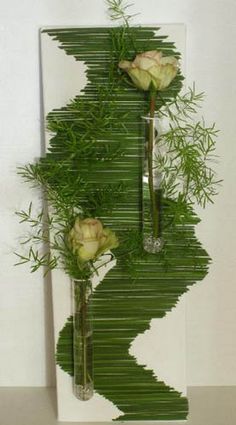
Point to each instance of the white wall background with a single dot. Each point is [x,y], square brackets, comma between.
[26,343]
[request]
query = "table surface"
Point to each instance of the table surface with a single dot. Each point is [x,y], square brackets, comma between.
[37,406]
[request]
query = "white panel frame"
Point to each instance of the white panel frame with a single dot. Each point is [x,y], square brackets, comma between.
[166,359]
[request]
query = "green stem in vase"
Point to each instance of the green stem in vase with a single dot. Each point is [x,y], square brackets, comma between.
[151,140]
[83,345]
[83,334]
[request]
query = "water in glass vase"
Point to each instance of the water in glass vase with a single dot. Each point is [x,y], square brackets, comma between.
[151,188]
[83,340]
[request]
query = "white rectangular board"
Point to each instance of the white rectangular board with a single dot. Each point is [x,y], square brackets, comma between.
[63,78]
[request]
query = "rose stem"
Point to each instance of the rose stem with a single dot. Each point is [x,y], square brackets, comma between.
[154,207]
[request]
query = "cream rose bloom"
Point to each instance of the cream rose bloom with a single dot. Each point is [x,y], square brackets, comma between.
[89,239]
[151,67]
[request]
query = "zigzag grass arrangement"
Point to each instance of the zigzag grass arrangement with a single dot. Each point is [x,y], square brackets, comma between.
[94,166]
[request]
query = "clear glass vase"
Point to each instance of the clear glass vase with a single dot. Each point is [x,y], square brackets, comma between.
[83,339]
[151,189]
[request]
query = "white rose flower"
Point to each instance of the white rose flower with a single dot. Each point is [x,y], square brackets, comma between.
[89,239]
[151,68]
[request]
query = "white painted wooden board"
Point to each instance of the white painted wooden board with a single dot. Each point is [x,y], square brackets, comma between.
[63,78]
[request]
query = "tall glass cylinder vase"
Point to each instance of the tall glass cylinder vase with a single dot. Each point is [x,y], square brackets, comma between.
[151,189]
[83,339]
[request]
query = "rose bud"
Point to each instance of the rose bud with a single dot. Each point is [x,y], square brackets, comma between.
[151,68]
[89,239]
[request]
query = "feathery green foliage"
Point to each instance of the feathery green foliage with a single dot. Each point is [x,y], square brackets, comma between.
[189,150]
[118,11]
[89,138]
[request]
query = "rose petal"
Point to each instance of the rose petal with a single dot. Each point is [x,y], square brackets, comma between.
[88,250]
[108,241]
[91,228]
[169,60]
[143,62]
[153,54]
[125,65]
[140,78]
[163,75]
